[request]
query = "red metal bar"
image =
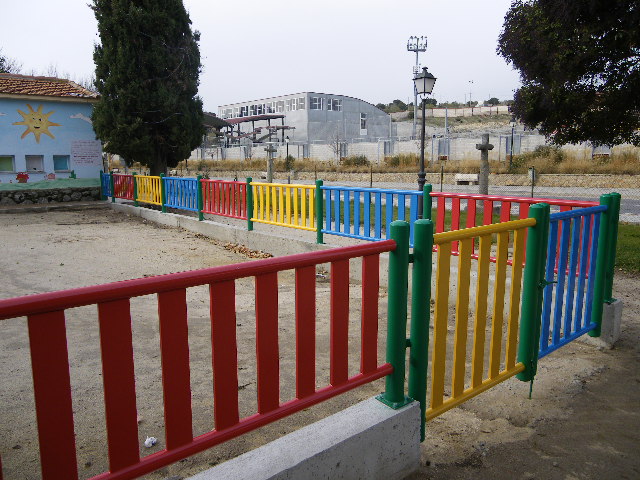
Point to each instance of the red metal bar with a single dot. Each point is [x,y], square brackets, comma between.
[119,383]
[225,354]
[524,213]
[369,325]
[455,219]
[471,218]
[339,322]
[440,215]
[487,214]
[174,350]
[305,331]
[505,211]
[52,391]
[52,301]
[267,342]
[160,459]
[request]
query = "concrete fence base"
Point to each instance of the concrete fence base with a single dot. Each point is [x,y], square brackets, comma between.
[368,440]
[610,327]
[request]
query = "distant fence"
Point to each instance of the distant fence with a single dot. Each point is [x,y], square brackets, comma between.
[228,199]
[367,213]
[182,193]
[284,205]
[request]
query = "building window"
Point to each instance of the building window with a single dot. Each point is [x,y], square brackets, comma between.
[301,102]
[294,104]
[61,163]
[35,163]
[363,122]
[236,112]
[6,163]
[244,111]
[280,106]
[316,103]
[335,105]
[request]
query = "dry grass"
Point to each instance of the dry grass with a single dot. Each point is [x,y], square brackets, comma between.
[623,160]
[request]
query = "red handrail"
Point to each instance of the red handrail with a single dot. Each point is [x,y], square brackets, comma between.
[50,364]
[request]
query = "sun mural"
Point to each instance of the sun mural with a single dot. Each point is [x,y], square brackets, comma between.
[36,122]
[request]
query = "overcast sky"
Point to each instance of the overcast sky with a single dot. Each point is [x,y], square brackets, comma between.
[255,49]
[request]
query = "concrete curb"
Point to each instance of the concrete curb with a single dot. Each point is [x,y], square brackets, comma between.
[368,440]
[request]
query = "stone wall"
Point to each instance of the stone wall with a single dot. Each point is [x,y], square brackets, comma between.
[28,197]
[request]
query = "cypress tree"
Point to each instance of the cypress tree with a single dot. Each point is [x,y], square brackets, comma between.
[147,69]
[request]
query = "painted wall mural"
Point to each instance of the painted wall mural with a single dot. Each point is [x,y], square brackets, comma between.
[37,122]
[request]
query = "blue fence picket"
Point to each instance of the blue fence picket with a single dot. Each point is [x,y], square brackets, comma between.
[346,202]
[575,257]
[181,193]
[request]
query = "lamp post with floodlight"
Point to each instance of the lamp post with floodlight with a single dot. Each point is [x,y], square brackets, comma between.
[424,83]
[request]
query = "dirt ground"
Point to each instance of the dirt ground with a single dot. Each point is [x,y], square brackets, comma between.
[583,421]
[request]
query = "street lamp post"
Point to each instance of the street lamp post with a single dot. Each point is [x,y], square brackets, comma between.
[423,83]
[417,45]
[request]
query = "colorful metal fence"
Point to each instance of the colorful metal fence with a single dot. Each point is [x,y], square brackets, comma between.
[149,189]
[123,186]
[225,198]
[181,193]
[50,364]
[285,205]
[490,292]
[367,213]
[580,242]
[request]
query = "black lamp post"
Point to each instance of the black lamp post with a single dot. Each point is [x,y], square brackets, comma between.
[424,83]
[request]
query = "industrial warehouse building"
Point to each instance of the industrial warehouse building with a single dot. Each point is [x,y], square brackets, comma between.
[305,118]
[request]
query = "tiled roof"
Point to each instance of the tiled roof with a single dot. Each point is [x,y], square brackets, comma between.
[13,84]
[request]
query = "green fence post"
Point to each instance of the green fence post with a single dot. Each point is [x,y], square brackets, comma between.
[613,244]
[163,194]
[199,198]
[532,287]
[113,190]
[602,259]
[135,189]
[102,195]
[319,211]
[426,201]
[394,395]
[420,315]
[249,204]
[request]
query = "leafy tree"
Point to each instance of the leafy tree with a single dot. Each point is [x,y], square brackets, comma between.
[8,65]
[147,69]
[431,101]
[493,101]
[580,68]
[400,104]
[381,106]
